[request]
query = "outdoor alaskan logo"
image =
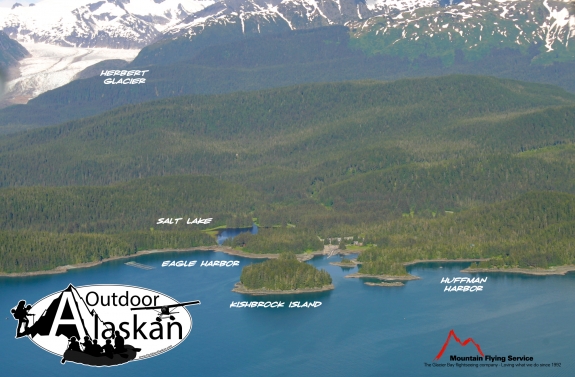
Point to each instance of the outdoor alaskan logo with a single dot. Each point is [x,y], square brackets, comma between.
[104,325]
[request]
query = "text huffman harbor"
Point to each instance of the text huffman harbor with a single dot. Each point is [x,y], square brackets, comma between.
[464,343]
[463,288]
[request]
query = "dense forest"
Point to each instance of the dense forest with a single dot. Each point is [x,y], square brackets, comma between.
[307,162]
[182,67]
[290,140]
[24,251]
[277,241]
[284,273]
[536,229]
[129,206]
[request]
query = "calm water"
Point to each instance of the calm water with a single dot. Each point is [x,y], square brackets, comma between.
[232,232]
[358,331]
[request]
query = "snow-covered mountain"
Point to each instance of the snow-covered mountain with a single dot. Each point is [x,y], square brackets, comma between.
[137,23]
[474,26]
[255,15]
[91,23]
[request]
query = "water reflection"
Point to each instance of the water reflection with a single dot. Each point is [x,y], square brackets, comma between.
[232,232]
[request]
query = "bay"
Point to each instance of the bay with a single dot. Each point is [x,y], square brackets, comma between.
[358,330]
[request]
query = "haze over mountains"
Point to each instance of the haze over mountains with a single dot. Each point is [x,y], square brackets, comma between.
[10,51]
[527,40]
[262,61]
[330,158]
[247,113]
[135,24]
[84,23]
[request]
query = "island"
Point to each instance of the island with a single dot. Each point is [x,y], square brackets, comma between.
[384,277]
[384,284]
[344,262]
[284,275]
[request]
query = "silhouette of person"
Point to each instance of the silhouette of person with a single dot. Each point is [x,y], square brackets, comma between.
[96,348]
[21,314]
[74,345]
[109,349]
[87,345]
[119,343]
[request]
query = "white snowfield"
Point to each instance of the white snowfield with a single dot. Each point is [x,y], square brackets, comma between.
[52,66]
[93,23]
[401,5]
[93,30]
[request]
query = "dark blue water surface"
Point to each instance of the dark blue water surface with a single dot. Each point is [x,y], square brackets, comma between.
[232,232]
[358,331]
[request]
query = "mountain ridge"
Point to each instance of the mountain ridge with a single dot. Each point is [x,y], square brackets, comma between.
[123,24]
[10,51]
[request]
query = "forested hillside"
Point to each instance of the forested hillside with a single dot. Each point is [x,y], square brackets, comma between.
[45,227]
[277,241]
[297,129]
[135,205]
[266,61]
[24,251]
[409,165]
[535,230]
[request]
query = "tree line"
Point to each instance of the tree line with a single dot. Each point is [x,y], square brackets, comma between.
[284,273]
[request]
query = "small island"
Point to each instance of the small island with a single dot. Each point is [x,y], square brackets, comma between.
[350,263]
[384,284]
[284,275]
[384,277]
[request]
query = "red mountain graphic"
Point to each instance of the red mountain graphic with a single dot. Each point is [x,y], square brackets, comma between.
[464,343]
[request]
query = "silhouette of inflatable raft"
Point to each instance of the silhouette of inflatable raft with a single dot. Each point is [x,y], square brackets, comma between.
[101,360]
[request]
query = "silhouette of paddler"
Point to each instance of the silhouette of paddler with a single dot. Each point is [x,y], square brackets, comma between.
[74,345]
[97,349]
[87,345]
[119,343]
[21,314]
[109,349]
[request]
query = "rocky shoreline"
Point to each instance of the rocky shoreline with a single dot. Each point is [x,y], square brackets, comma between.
[353,263]
[384,284]
[560,270]
[240,288]
[384,277]
[445,260]
[64,269]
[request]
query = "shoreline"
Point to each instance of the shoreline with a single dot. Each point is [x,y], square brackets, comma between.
[559,270]
[63,269]
[384,284]
[417,261]
[407,277]
[344,265]
[239,288]
[353,263]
